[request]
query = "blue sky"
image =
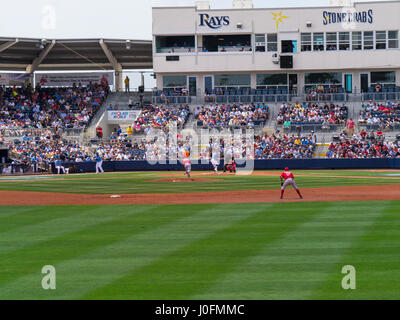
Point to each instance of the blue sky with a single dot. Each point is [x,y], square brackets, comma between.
[99,18]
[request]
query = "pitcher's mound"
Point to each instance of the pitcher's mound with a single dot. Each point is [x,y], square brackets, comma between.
[183,180]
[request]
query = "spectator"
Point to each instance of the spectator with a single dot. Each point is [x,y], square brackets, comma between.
[99,132]
[127,86]
[350,127]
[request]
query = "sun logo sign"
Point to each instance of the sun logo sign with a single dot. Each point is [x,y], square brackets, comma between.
[278,17]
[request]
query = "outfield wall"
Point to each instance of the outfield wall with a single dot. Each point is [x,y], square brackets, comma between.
[112,166]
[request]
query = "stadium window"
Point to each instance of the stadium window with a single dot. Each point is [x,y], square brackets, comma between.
[326,79]
[232,81]
[173,82]
[387,78]
[331,41]
[260,42]
[227,43]
[356,40]
[306,42]
[393,39]
[344,41]
[272,80]
[318,40]
[272,42]
[174,44]
[368,40]
[380,40]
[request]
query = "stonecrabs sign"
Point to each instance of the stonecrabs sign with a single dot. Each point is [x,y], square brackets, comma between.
[213,22]
[348,17]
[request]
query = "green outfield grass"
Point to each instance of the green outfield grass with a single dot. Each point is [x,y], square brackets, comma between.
[142,182]
[215,251]
[208,251]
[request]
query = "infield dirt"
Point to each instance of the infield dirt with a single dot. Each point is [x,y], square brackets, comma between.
[353,193]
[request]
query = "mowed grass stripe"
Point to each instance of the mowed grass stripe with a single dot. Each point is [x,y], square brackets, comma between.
[193,269]
[60,220]
[29,216]
[82,274]
[294,266]
[376,258]
[9,212]
[32,258]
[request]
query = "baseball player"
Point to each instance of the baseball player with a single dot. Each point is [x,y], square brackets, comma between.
[59,165]
[186,163]
[231,166]
[215,162]
[99,163]
[34,161]
[287,178]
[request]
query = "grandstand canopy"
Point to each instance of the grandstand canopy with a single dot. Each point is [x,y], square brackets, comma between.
[29,55]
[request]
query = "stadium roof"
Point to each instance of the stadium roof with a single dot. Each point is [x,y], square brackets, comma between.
[29,55]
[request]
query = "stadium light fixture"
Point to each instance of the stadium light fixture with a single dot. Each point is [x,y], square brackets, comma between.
[42,43]
[128,44]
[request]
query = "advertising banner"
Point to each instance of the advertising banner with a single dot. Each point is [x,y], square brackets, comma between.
[14,79]
[68,79]
[123,115]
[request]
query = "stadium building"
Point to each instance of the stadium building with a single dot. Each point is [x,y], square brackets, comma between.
[274,52]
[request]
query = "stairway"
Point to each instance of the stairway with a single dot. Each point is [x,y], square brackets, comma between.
[321,150]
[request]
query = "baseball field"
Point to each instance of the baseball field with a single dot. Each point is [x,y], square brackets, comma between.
[158,235]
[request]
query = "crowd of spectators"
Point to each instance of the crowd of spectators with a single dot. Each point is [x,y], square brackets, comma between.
[152,148]
[311,113]
[161,117]
[284,146]
[322,92]
[44,149]
[385,115]
[274,146]
[363,145]
[230,116]
[73,107]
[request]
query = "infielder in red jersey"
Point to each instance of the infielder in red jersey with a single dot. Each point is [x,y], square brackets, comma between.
[287,178]
[187,164]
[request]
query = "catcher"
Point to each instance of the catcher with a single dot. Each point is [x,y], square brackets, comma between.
[231,166]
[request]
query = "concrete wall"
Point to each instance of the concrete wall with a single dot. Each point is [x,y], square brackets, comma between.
[385,16]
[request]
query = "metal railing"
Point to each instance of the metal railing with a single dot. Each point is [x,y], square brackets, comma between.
[380,96]
[72,132]
[18,132]
[383,126]
[246,99]
[305,128]
[269,98]
[276,98]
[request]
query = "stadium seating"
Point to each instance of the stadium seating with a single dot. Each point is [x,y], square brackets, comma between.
[283,147]
[231,115]
[161,116]
[380,115]
[311,115]
[49,107]
[372,145]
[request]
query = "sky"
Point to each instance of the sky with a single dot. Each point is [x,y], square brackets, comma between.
[118,19]
[122,19]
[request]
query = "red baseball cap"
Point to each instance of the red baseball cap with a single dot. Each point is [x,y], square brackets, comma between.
[286,169]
